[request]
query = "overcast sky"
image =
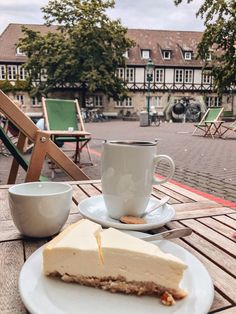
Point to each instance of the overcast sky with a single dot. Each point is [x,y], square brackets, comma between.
[149,14]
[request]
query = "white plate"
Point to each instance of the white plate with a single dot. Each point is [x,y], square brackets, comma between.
[94,209]
[42,294]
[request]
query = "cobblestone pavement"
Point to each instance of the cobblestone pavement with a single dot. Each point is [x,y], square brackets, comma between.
[206,164]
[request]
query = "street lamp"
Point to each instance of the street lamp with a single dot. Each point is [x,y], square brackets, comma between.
[149,72]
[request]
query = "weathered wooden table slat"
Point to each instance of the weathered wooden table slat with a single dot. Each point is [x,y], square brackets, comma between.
[212,241]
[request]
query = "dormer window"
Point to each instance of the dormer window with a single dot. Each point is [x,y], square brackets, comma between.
[126,54]
[209,58]
[166,54]
[188,55]
[19,52]
[146,54]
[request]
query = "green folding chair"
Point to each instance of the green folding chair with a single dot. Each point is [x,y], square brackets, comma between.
[43,146]
[65,116]
[210,123]
[228,129]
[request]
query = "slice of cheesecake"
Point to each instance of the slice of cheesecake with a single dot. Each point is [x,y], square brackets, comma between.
[112,260]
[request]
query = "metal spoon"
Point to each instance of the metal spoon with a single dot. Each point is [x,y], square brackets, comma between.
[163,201]
[170,234]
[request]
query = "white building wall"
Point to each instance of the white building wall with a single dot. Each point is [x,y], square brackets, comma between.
[139,75]
[197,76]
[169,75]
[159,98]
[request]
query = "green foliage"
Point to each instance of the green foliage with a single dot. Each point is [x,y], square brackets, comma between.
[21,85]
[219,39]
[86,49]
[6,86]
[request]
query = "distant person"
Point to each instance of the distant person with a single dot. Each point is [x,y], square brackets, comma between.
[41,125]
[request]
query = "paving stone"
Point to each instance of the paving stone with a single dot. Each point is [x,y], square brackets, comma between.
[202,163]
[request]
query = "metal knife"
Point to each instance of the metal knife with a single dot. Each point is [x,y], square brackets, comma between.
[170,234]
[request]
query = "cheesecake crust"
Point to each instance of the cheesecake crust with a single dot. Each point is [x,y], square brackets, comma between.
[119,284]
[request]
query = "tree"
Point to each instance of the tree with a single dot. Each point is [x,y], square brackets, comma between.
[83,52]
[219,40]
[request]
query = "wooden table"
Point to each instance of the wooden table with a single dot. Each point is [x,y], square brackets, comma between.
[211,242]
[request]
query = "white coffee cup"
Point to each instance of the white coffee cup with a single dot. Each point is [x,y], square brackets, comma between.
[40,209]
[127,174]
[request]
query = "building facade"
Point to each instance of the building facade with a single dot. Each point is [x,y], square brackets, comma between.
[177,74]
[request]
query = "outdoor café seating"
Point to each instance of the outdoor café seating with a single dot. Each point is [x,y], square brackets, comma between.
[43,145]
[65,115]
[210,123]
[209,251]
[228,130]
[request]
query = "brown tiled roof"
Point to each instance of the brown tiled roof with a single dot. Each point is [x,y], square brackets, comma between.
[154,40]
[10,36]
[158,40]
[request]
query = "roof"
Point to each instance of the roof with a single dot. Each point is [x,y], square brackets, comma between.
[155,40]
[10,37]
[159,40]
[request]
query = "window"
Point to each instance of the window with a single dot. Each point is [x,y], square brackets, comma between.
[206,77]
[20,98]
[89,102]
[145,54]
[127,102]
[188,76]
[129,74]
[166,54]
[158,101]
[179,76]
[35,102]
[98,101]
[188,55]
[213,101]
[120,73]
[43,75]
[159,75]
[126,54]
[12,72]
[2,72]
[21,73]
[209,57]
[94,101]
[19,52]
[152,102]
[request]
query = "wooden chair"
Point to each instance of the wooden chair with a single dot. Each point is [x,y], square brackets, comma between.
[3,129]
[43,145]
[210,123]
[65,115]
[228,129]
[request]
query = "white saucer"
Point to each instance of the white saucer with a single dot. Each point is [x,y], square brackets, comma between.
[94,209]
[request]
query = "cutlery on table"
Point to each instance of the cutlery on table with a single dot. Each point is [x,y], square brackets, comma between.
[162,202]
[169,234]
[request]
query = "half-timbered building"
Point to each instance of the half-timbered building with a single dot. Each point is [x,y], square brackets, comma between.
[177,73]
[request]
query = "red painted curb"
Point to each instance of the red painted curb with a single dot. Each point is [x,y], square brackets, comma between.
[206,195]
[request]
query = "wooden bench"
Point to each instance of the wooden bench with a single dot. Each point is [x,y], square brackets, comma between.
[110,114]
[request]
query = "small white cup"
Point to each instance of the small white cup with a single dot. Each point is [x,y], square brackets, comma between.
[40,209]
[70,129]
